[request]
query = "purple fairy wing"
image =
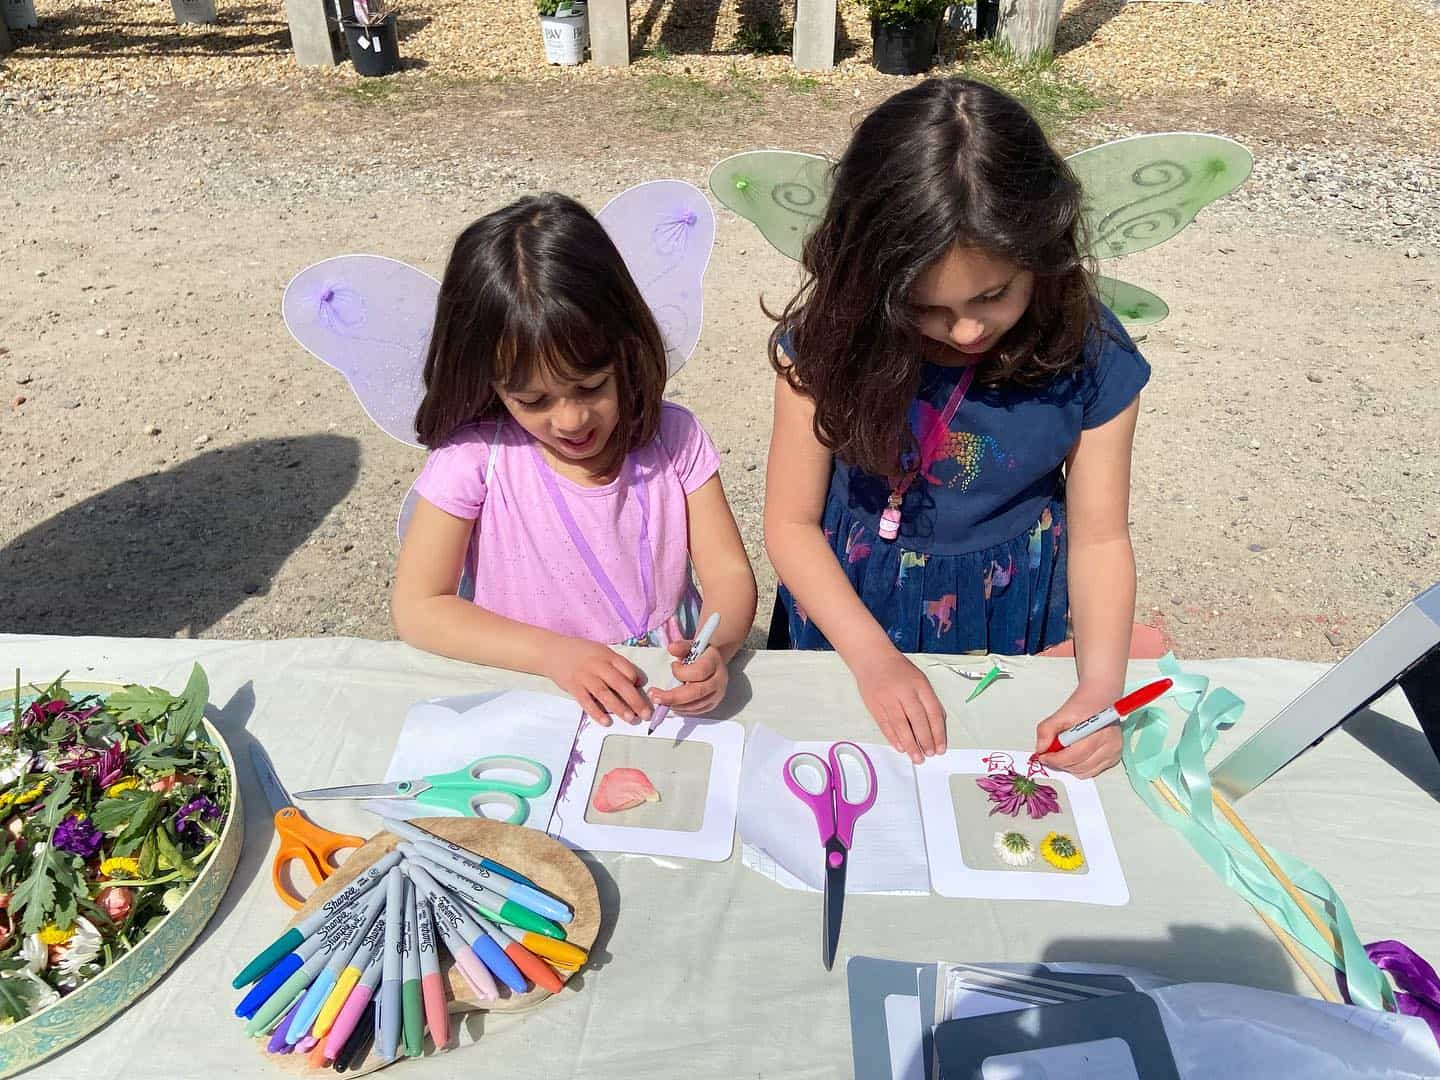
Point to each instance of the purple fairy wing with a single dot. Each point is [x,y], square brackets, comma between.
[369,318]
[665,231]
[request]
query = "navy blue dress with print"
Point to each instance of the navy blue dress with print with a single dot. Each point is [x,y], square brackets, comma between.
[979,565]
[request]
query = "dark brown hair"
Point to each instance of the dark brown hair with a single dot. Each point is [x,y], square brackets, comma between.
[539,284]
[947,163]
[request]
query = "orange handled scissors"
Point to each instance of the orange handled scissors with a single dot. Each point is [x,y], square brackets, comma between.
[300,840]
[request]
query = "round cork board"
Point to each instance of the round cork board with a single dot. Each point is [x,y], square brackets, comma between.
[548,863]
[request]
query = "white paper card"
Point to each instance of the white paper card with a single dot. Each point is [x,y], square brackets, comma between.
[903,1025]
[889,851]
[1099,1059]
[715,839]
[952,873]
[445,734]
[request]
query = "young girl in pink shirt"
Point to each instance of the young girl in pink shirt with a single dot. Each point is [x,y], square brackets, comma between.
[587,497]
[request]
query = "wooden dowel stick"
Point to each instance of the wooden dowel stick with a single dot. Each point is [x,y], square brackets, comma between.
[1291,947]
[1321,927]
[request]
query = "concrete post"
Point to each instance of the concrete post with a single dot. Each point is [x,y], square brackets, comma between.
[315,44]
[193,11]
[19,14]
[610,32]
[814,35]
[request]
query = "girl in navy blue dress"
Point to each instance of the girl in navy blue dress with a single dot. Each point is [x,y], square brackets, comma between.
[954,416]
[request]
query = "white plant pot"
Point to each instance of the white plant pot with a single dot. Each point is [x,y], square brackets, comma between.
[565,37]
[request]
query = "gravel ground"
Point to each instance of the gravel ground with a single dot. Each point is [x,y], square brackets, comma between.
[1371,66]
[179,466]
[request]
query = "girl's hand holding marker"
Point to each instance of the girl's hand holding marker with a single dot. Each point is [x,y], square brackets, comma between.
[602,681]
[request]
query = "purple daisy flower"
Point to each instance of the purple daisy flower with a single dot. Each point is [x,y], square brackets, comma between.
[1011,792]
[77,836]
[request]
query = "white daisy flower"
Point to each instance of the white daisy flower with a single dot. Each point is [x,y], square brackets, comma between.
[1014,848]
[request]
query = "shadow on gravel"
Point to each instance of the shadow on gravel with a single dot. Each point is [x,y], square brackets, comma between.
[174,550]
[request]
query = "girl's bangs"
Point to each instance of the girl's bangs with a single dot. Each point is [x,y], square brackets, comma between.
[561,340]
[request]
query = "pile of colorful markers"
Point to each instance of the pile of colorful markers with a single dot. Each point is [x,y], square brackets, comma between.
[317,989]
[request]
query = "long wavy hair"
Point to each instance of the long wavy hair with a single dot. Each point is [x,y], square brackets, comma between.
[539,284]
[947,163]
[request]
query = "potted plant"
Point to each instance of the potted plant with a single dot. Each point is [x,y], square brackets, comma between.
[903,33]
[373,38]
[564,29]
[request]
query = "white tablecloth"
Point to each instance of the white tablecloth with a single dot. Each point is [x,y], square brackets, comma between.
[710,970]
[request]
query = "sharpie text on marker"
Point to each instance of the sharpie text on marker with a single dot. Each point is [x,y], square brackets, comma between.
[1105,717]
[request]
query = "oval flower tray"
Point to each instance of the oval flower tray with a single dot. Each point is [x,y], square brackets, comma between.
[74,1016]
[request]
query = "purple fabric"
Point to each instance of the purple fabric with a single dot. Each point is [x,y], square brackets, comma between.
[1417,985]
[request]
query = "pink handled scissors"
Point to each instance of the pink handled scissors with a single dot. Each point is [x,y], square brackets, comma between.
[835,815]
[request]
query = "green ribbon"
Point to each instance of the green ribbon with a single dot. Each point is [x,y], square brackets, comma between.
[1182,769]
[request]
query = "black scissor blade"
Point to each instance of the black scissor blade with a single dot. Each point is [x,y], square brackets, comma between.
[834,901]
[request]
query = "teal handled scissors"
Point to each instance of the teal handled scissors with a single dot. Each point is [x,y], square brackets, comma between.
[464,791]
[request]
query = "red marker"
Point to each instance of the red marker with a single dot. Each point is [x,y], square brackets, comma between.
[1121,709]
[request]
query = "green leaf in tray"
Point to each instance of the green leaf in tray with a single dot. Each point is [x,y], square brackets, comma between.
[21,994]
[141,704]
[122,809]
[54,805]
[185,720]
[35,896]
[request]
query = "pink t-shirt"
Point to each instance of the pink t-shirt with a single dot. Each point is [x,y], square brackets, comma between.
[526,567]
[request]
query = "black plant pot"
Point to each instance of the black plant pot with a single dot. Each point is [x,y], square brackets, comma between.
[903,50]
[987,16]
[380,53]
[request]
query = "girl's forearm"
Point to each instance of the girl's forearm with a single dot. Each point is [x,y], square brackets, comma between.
[732,595]
[1102,609]
[453,626]
[809,569]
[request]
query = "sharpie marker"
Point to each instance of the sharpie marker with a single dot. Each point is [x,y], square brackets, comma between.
[530,965]
[564,955]
[475,974]
[485,949]
[476,893]
[340,959]
[412,1007]
[370,948]
[387,1012]
[354,1052]
[1105,717]
[277,1043]
[323,940]
[432,985]
[410,831]
[354,1006]
[303,977]
[287,941]
[471,870]
[702,642]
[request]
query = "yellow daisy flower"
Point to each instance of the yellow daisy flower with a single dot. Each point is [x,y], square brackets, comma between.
[1061,852]
[121,785]
[119,866]
[50,934]
[29,795]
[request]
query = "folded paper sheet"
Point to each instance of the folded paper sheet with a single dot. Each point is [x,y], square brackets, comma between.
[781,840]
[444,734]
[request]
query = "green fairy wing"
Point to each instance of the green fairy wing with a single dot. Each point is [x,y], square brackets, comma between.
[1141,191]
[781,192]
[1130,303]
